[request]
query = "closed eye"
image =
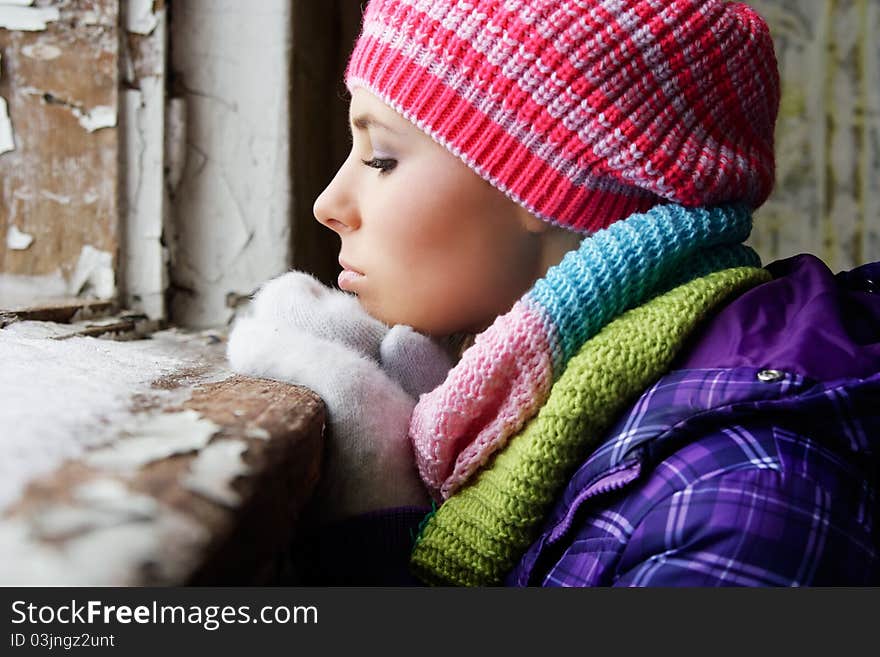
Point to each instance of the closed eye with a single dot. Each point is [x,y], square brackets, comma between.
[384,164]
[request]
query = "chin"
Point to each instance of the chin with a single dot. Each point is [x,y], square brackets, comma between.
[418,321]
[392,318]
[377,312]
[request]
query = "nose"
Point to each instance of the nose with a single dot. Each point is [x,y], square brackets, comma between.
[335,207]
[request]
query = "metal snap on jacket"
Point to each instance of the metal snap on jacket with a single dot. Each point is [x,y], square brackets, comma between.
[770,376]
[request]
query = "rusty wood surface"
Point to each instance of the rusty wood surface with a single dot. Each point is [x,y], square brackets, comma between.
[250,545]
[244,543]
[64,312]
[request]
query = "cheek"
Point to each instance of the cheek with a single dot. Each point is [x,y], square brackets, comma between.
[438,211]
[413,227]
[454,258]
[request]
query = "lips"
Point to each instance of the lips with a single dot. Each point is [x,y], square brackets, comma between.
[348,267]
[348,277]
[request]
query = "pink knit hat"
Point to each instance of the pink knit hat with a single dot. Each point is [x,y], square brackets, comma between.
[584,111]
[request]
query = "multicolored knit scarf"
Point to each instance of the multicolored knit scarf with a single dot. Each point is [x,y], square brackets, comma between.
[479,533]
[505,378]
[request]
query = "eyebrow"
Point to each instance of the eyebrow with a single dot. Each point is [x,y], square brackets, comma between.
[364,121]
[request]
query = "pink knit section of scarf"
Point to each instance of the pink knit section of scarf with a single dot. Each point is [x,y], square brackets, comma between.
[499,384]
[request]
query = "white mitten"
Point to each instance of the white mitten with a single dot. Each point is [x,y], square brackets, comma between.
[369,460]
[414,360]
[298,300]
[369,376]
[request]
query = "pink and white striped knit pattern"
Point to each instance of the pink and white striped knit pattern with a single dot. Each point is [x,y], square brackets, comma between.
[584,111]
[499,384]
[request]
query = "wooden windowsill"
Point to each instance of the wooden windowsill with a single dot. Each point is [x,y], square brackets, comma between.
[222,513]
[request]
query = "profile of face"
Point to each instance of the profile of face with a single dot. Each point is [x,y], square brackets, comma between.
[425,241]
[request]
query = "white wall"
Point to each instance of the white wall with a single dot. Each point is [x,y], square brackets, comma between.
[231,208]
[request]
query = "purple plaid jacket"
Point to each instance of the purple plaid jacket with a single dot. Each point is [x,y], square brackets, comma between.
[753,462]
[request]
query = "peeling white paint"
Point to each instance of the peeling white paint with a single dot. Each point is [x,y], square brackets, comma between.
[41,51]
[16,240]
[27,19]
[101,116]
[89,18]
[94,275]
[234,200]
[139,17]
[7,141]
[258,432]
[215,468]
[90,197]
[58,198]
[146,277]
[21,290]
[88,384]
[142,120]
[154,436]
[113,494]
[107,556]
[98,503]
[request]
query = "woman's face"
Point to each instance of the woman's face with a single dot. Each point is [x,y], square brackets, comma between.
[425,241]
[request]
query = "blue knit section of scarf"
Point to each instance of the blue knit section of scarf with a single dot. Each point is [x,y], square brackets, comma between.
[632,261]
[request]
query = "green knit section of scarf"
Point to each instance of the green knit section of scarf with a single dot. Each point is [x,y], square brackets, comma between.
[479,533]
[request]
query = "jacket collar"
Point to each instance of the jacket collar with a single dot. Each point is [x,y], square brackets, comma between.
[806,330]
[807,321]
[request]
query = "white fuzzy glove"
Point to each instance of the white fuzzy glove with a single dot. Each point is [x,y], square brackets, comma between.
[369,376]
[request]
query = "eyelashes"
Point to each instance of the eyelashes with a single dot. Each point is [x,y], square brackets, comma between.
[383,164]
